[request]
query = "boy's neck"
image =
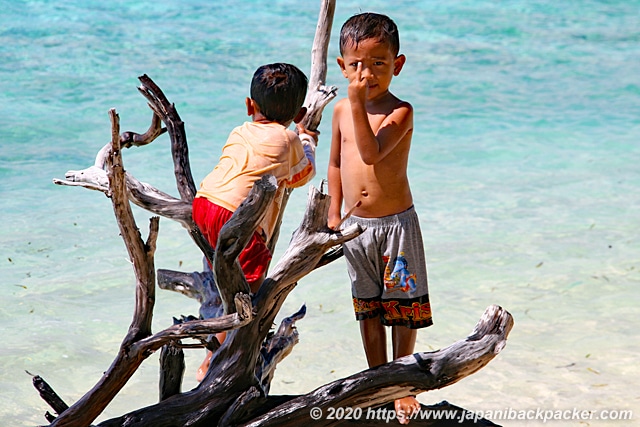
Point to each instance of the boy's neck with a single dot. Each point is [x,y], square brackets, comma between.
[260,118]
[382,100]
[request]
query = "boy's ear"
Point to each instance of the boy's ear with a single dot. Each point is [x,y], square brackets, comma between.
[251,106]
[340,61]
[298,118]
[398,63]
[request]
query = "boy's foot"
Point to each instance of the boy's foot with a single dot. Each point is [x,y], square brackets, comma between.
[204,367]
[405,407]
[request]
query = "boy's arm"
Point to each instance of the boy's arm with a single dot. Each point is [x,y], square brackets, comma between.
[373,147]
[309,141]
[333,172]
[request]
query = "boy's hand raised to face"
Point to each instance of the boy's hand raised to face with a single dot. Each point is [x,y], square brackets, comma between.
[358,87]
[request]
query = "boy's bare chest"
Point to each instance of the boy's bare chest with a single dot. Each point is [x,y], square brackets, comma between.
[347,127]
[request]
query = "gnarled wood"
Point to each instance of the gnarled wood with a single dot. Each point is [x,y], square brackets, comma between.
[234,364]
[171,370]
[277,347]
[84,411]
[175,126]
[139,342]
[235,389]
[319,95]
[197,285]
[140,193]
[50,396]
[131,139]
[143,194]
[235,235]
[412,374]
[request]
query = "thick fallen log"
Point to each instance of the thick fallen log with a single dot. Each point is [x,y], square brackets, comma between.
[412,374]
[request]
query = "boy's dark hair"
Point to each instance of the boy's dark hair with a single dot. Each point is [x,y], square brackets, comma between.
[279,90]
[366,26]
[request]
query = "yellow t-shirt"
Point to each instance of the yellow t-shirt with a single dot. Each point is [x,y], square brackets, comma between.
[253,150]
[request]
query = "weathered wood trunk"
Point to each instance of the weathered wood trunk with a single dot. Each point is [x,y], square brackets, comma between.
[235,391]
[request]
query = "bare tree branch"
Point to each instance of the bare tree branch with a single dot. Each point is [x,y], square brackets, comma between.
[175,127]
[235,235]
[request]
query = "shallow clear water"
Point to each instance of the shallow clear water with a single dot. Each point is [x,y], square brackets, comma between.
[524,172]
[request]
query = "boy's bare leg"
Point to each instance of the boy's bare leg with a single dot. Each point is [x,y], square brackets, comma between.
[404,341]
[204,366]
[374,341]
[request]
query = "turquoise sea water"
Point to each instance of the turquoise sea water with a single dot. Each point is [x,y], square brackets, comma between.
[524,170]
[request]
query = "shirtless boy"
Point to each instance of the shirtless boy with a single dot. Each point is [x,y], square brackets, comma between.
[371,137]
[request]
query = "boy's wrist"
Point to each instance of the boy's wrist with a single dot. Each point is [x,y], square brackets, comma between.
[356,98]
[308,139]
[358,106]
[304,131]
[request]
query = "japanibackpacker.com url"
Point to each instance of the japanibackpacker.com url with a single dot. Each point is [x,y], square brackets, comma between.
[466,416]
[510,414]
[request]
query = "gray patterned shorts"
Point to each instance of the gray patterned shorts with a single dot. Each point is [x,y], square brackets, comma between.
[388,270]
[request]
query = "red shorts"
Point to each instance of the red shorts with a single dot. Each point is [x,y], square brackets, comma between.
[210,218]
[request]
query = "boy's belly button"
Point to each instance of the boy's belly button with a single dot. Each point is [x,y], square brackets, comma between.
[364,193]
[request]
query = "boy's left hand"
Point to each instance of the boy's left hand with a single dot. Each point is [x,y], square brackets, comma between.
[313,133]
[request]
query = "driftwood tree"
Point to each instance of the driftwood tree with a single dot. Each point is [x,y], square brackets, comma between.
[235,390]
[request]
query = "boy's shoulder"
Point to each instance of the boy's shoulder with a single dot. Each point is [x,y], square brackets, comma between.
[270,134]
[396,102]
[342,103]
[341,109]
[396,109]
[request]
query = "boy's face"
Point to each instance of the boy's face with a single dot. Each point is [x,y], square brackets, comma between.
[379,65]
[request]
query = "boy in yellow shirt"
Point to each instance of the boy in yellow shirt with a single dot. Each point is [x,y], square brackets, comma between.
[263,146]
